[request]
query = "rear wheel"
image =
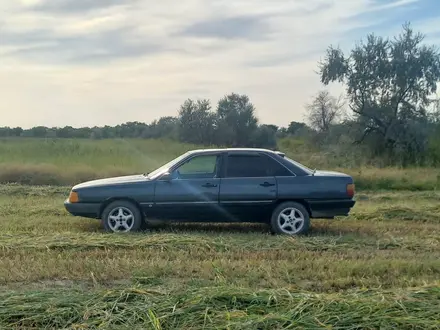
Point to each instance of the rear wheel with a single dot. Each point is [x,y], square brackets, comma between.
[122,217]
[290,218]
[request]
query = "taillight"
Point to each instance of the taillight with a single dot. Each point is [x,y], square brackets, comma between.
[350,189]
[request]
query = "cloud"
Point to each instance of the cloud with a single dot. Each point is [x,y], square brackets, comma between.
[392,4]
[50,47]
[282,60]
[238,27]
[77,6]
[23,38]
[93,62]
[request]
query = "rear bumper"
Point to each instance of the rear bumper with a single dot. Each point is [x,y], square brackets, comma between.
[87,210]
[328,209]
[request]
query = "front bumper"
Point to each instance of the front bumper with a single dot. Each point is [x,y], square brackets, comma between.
[88,210]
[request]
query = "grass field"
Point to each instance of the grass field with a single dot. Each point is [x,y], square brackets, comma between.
[378,268]
[66,162]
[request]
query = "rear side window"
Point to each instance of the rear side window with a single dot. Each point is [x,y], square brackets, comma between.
[254,166]
[275,168]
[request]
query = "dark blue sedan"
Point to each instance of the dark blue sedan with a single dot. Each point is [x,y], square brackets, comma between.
[218,185]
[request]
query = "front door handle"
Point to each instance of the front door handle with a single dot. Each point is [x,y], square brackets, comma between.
[209,185]
[267,184]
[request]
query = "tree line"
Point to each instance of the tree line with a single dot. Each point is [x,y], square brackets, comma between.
[233,123]
[389,109]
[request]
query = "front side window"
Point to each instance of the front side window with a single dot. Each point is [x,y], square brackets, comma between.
[198,167]
[166,166]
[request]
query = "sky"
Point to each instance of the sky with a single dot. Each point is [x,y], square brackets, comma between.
[107,62]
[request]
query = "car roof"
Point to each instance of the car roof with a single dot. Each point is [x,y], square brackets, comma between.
[201,151]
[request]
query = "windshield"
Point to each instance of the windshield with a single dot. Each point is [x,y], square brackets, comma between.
[305,168]
[165,167]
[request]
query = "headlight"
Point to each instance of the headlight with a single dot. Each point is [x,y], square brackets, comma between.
[73,197]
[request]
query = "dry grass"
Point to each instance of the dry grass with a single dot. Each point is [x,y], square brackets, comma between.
[378,268]
[223,307]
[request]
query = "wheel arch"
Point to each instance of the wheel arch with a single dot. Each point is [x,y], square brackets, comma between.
[299,201]
[108,201]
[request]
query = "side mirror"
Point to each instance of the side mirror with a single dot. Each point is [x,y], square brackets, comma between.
[166,177]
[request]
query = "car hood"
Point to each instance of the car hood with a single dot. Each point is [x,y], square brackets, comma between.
[112,181]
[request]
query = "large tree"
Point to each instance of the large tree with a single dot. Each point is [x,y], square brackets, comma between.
[265,136]
[237,122]
[389,84]
[165,127]
[196,122]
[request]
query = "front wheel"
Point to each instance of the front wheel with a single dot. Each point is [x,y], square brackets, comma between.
[290,218]
[122,217]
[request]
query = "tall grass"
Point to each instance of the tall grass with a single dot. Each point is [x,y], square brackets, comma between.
[129,155]
[70,161]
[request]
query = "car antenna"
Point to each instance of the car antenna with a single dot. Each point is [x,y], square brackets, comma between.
[314,171]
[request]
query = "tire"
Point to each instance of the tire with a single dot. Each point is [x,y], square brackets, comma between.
[298,221]
[122,217]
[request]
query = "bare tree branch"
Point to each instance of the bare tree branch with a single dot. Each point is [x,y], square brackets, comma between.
[324,111]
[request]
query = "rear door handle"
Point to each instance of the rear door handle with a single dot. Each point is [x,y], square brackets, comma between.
[267,184]
[209,185]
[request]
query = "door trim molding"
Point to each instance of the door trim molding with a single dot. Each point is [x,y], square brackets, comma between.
[265,201]
[181,203]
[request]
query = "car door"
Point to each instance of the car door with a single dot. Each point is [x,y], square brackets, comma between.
[248,190]
[192,192]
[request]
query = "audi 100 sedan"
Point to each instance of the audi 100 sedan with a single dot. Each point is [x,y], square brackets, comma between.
[218,185]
